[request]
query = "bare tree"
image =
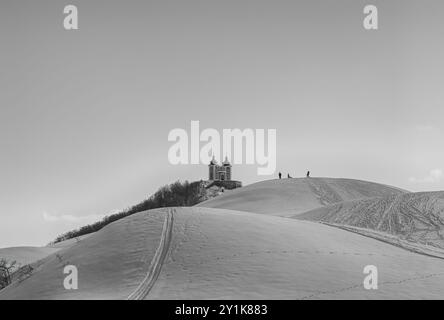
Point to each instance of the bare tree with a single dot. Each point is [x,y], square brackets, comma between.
[6,270]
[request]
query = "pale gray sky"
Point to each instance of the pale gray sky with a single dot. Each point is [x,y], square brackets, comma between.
[85,115]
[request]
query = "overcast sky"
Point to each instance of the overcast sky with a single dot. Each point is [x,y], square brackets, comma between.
[85,114]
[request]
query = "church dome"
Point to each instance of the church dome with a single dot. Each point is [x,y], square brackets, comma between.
[213,162]
[226,162]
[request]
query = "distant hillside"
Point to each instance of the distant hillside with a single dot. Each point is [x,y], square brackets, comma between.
[178,194]
[416,217]
[287,197]
[26,255]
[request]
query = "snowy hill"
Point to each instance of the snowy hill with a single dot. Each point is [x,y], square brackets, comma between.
[288,197]
[201,253]
[416,217]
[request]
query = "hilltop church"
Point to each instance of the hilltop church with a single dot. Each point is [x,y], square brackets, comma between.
[221,175]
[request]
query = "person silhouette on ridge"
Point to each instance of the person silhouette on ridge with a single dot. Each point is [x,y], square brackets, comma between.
[308,174]
[280,175]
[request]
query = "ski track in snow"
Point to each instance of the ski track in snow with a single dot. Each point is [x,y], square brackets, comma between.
[150,279]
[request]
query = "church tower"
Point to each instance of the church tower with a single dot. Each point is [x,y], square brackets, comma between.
[212,170]
[227,166]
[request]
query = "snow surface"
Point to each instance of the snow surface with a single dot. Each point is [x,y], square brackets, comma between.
[287,197]
[221,254]
[111,262]
[69,242]
[204,253]
[26,255]
[415,217]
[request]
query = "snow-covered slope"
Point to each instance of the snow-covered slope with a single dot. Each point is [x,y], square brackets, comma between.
[69,242]
[202,253]
[416,217]
[111,262]
[26,255]
[292,196]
